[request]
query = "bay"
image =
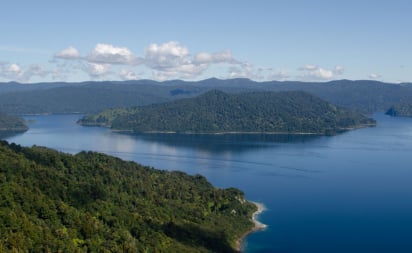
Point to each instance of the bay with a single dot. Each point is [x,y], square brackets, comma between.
[346,193]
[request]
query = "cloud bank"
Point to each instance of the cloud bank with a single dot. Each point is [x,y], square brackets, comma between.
[159,61]
[167,60]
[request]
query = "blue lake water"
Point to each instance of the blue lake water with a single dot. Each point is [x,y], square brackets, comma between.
[346,193]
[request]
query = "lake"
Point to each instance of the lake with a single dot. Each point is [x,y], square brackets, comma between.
[345,193]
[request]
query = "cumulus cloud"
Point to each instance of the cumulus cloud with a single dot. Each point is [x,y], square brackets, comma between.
[69,53]
[169,55]
[375,76]
[166,61]
[16,72]
[315,73]
[96,70]
[125,74]
[109,54]
[248,70]
[171,60]
[13,69]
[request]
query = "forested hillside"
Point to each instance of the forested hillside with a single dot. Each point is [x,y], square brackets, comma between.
[11,123]
[90,202]
[219,112]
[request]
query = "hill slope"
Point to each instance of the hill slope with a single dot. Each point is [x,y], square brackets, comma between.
[218,112]
[11,123]
[90,202]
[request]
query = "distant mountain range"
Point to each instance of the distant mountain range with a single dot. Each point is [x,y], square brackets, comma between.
[288,112]
[92,97]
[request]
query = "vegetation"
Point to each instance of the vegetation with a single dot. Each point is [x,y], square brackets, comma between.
[11,123]
[91,202]
[400,110]
[218,112]
[92,97]
[82,98]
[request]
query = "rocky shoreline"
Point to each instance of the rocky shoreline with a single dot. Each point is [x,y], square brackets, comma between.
[258,226]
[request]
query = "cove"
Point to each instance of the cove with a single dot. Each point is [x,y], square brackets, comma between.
[346,193]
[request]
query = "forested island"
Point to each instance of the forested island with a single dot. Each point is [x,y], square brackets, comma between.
[91,202]
[290,112]
[12,123]
[400,110]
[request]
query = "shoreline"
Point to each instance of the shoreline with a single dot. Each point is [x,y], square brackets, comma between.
[325,133]
[259,226]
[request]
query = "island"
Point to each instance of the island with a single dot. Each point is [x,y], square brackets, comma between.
[400,110]
[216,112]
[11,123]
[91,202]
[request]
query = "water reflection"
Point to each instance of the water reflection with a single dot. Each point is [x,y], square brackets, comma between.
[224,143]
[318,190]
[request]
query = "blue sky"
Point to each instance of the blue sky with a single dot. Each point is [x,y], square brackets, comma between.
[53,40]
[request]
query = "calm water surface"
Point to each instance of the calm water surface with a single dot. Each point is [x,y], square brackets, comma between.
[347,193]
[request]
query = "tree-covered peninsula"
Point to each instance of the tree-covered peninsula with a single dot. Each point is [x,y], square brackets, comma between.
[291,112]
[91,202]
[12,123]
[400,110]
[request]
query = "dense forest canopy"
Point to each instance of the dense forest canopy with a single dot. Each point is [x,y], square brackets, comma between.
[91,202]
[219,112]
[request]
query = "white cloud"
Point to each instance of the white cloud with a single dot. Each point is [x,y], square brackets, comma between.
[166,56]
[69,53]
[375,76]
[316,73]
[323,73]
[219,57]
[166,61]
[96,70]
[172,60]
[14,69]
[246,70]
[338,70]
[125,74]
[18,73]
[109,54]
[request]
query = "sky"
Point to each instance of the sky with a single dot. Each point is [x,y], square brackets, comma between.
[316,40]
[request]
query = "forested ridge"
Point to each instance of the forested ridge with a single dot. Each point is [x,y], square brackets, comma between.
[91,202]
[219,112]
